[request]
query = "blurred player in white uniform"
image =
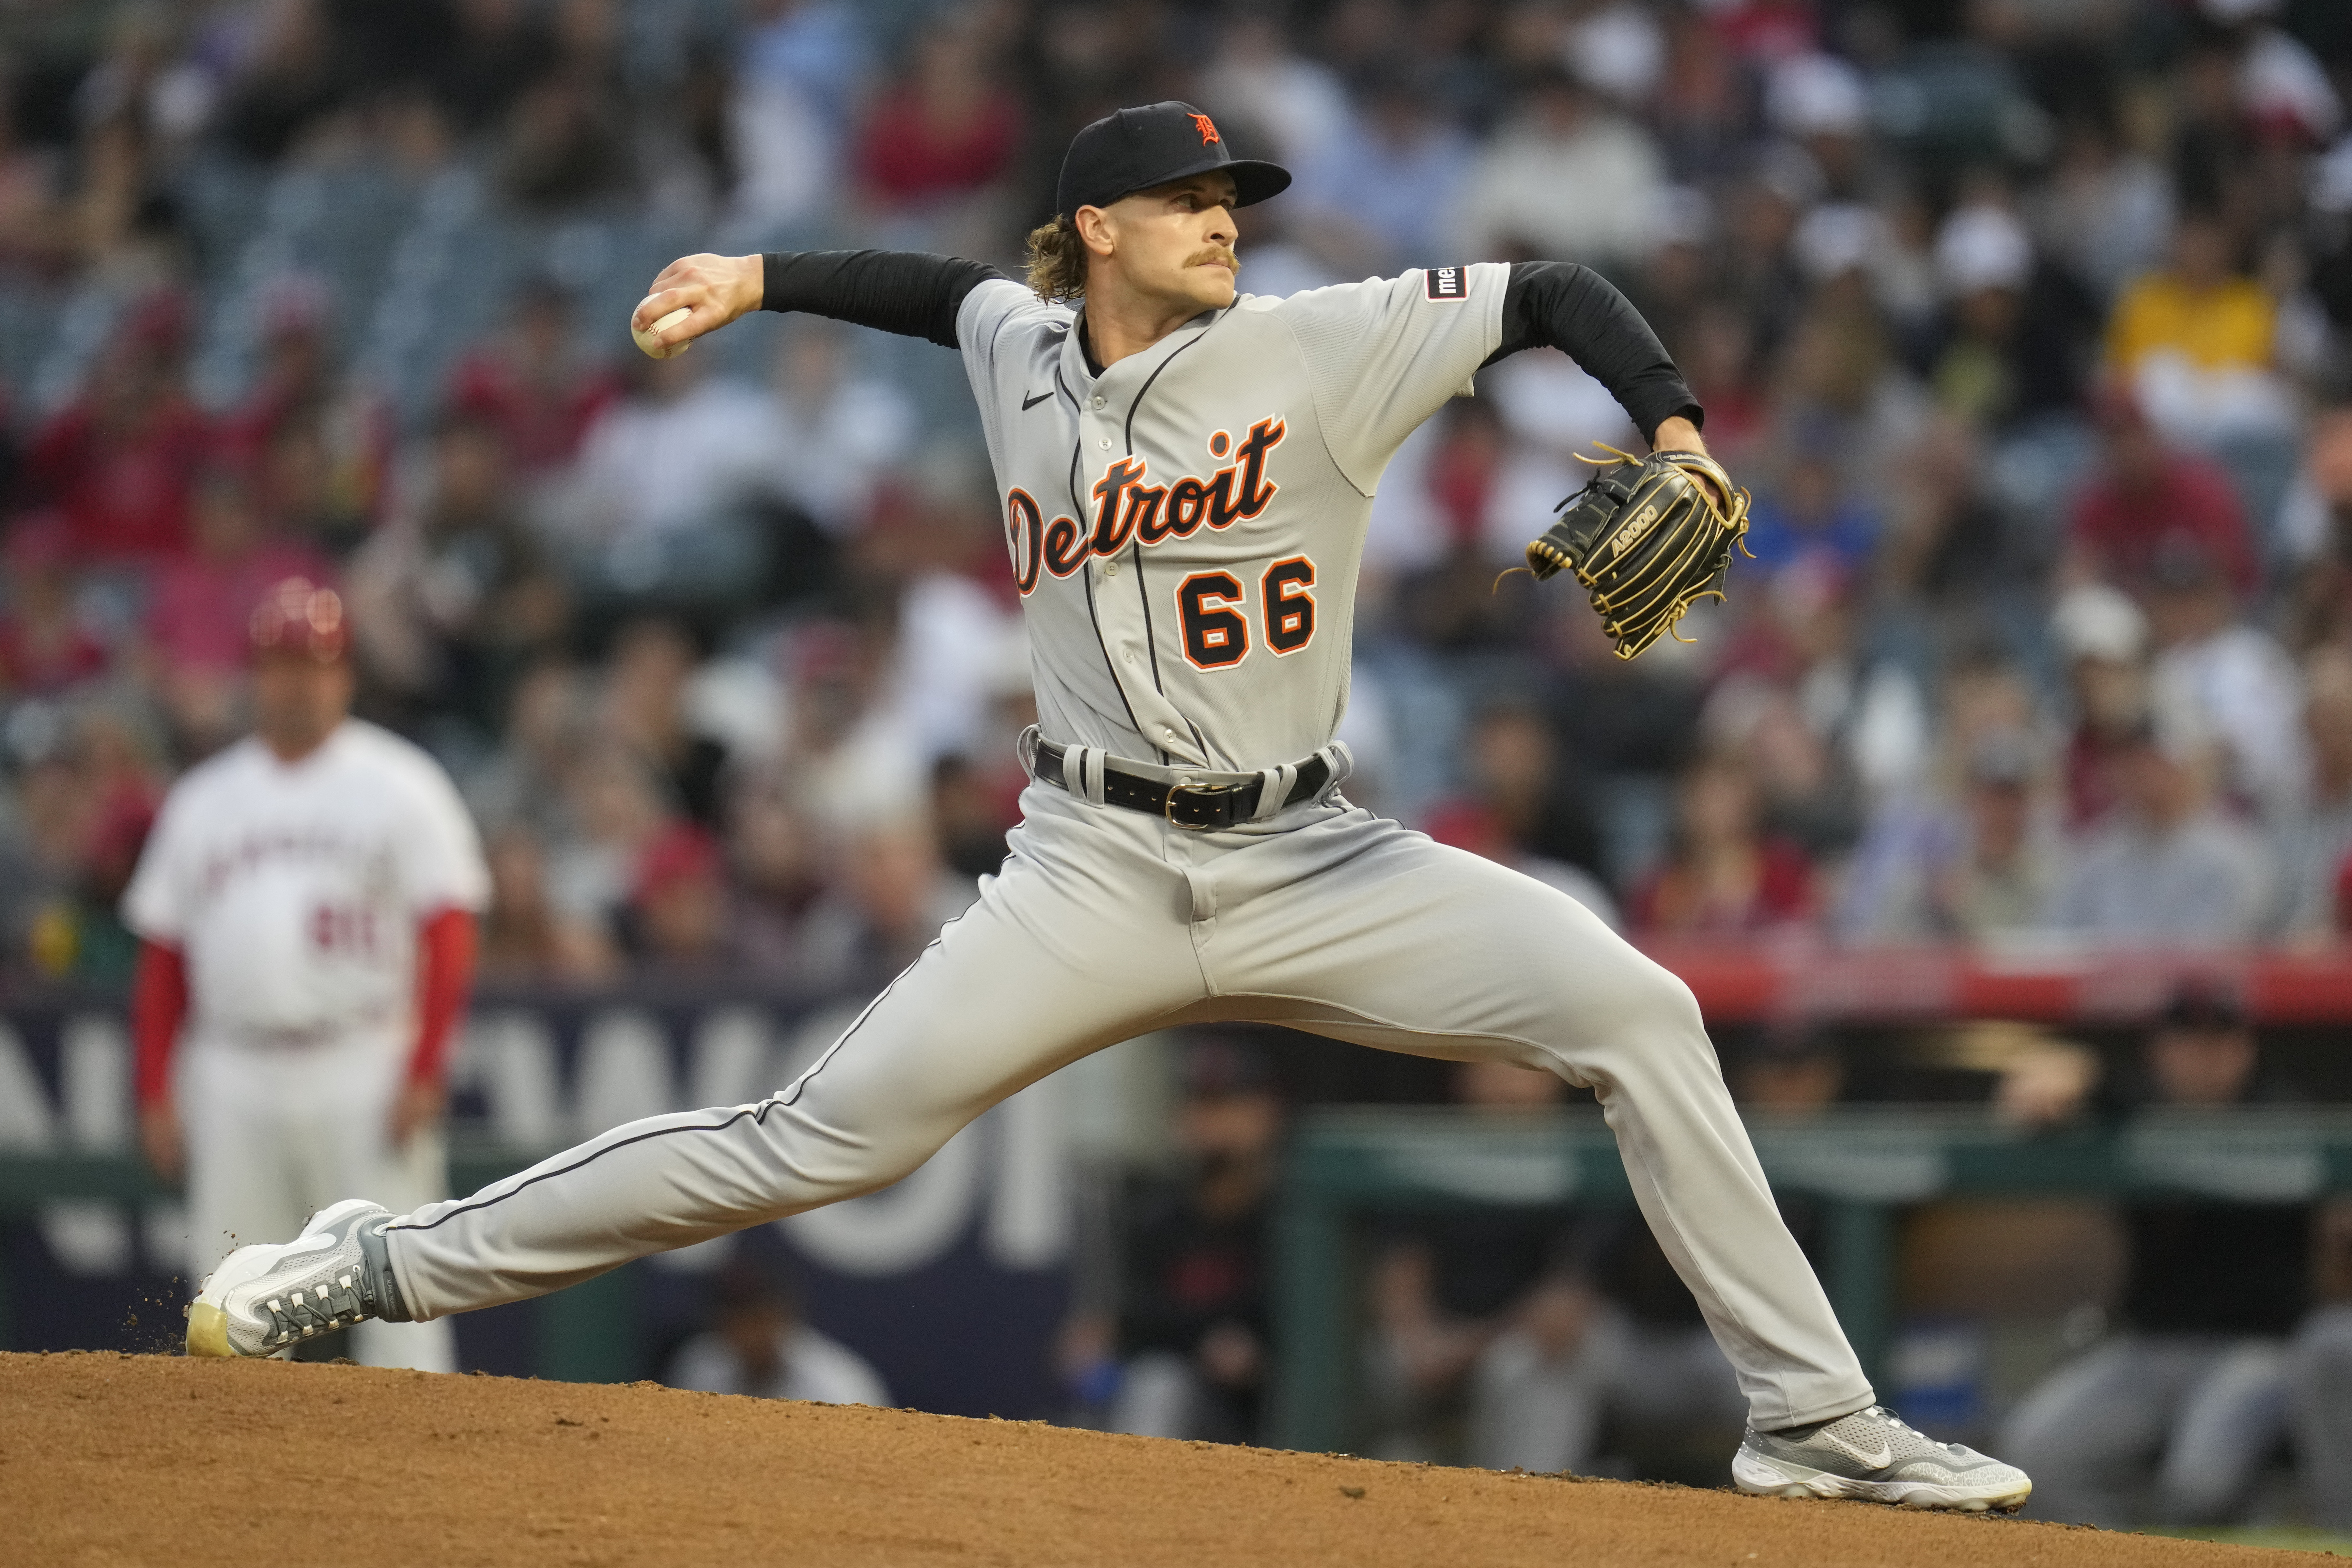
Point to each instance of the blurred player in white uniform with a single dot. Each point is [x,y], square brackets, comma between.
[306,909]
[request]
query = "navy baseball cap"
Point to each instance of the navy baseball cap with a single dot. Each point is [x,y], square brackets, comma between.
[1136,149]
[2204,1004]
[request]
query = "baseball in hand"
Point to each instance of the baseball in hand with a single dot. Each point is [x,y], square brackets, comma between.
[654,345]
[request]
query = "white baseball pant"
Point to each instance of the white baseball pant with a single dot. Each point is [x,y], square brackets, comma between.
[276,1132]
[1104,925]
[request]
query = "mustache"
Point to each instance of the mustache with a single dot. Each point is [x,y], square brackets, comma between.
[1216,253]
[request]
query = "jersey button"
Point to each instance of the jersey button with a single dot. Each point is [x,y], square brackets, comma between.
[1104,442]
[1111,569]
[1099,402]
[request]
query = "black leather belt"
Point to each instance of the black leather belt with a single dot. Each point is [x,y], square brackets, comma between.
[1196,807]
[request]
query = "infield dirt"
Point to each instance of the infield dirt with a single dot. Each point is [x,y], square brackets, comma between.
[111,1459]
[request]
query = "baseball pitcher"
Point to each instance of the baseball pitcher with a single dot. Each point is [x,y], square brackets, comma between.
[306,912]
[1184,474]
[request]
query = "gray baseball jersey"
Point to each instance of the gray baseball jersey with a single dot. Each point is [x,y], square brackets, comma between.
[1185,530]
[1186,527]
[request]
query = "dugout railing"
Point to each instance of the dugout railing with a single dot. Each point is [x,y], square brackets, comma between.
[2052,978]
[1862,1165]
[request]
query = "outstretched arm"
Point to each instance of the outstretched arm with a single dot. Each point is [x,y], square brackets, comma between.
[905,292]
[448,941]
[159,1003]
[1573,308]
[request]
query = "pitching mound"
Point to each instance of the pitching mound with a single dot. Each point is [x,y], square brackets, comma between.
[136,1459]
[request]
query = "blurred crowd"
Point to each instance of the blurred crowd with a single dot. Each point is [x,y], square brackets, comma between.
[2028,322]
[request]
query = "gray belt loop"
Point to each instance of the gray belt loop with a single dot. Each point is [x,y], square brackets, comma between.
[1342,763]
[1274,789]
[1082,772]
[1025,748]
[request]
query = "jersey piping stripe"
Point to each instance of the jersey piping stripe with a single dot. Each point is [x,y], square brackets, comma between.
[1143,391]
[1077,509]
[1001,323]
[1142,592]
[1153,637]
[787,1097]
[1086,575]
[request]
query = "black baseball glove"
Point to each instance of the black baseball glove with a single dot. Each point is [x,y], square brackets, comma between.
[1647,538]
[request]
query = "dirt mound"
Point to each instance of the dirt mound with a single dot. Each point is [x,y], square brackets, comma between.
[111,1459]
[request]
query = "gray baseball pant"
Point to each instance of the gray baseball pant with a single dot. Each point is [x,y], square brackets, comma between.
[275,1133]
[1104,925]
[1545,1414]
[2152,1427]
[2319,1378]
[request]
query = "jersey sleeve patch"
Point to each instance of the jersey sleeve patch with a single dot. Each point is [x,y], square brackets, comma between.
[1447,285]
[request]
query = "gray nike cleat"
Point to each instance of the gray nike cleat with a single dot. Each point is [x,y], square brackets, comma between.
[1871,1455]
[262,1299]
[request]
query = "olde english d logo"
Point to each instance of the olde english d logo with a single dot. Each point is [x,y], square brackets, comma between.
[1128,506]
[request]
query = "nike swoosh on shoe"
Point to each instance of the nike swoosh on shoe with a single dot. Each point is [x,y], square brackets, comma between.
[1878,1461]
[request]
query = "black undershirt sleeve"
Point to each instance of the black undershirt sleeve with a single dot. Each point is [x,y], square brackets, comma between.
[1562,305]
[901,291]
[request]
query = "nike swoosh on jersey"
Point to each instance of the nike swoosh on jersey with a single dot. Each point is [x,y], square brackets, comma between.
[1878,1461]
[1029,402]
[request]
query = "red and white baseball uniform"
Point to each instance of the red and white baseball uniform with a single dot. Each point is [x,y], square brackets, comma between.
[312,921]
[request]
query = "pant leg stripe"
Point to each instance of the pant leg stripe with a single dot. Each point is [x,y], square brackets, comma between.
[757,1113]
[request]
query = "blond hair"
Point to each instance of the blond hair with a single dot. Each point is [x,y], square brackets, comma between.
[1057,259]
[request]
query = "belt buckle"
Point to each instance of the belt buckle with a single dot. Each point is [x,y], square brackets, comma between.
[1205,794]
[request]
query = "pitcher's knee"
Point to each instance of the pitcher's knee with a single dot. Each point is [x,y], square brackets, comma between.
[1640,1032]
[807,1163]
[1650,1002]
[818,1182]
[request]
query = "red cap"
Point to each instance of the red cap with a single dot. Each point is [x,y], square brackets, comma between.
[299,617]
[161,321]
[2116,407]
[679,853]
[38,541]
